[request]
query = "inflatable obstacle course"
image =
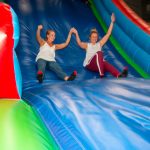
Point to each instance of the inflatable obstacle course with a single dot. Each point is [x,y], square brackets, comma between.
[87,113]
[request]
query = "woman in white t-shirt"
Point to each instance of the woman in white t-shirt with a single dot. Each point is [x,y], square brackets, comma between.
[94,56]
[46,55]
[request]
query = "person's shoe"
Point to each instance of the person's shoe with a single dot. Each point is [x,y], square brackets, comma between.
[40,76]
[102,76]
[124,73]
[72,76]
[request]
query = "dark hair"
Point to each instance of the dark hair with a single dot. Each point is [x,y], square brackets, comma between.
[48,32]
[93,31]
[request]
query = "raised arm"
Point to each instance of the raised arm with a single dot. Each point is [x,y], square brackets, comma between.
[106,37]
[38,35]
[63,45]
[79,42]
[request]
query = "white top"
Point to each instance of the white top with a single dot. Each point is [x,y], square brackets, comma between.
[90,52]
[46,52]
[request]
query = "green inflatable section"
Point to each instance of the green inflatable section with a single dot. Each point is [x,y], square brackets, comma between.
[117,45]
[21,129]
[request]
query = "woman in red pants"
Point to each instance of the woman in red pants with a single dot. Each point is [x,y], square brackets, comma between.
[94,56]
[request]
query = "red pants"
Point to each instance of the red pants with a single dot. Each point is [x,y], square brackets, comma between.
[98,64]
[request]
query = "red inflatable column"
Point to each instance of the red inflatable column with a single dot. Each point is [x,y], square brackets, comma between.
[8,88]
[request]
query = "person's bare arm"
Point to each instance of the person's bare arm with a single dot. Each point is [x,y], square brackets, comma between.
[63,45]
[106,37]
[79,42]
[40,40]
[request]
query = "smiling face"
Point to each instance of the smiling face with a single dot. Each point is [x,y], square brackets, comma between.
[50,36]
[93,37]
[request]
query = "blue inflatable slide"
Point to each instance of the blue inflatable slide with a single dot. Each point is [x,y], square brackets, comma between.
[88,113]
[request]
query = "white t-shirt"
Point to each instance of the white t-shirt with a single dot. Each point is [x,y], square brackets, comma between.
[46,52]
[90,52]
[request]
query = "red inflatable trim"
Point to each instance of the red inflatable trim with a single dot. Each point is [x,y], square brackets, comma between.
[132,15]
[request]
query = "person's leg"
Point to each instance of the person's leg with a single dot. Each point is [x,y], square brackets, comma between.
[41,65]
[53,66]
[96,63]
[100,63]
[110,68]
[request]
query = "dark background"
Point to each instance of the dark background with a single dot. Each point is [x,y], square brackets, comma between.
[141,7]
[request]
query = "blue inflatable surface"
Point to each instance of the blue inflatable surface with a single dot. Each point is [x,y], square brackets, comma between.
[89,113]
